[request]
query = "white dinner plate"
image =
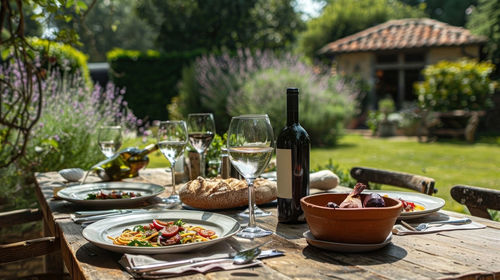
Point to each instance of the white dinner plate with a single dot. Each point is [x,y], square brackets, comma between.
[78,194]
[430,203]
[98,232]
[344,247]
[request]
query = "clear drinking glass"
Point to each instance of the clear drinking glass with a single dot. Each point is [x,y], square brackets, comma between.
[109,139]
[172,139]
[250,143]
[201,130]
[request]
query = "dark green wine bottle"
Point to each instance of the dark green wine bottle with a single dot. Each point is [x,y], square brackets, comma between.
[124,164]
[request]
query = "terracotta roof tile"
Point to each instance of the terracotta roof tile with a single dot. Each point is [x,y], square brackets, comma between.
[404,34]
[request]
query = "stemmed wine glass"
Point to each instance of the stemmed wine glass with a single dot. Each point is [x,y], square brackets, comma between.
[201,130]
[172,139]
[250,143]
[109,139]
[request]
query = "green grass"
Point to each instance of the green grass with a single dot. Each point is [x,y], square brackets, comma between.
[449,163]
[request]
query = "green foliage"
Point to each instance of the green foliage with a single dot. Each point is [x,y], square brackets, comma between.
[60,56]
[256,83]
[323,108]
[457,85]
[110,24]
[450,11]
[221,24]
[150,79]
[345,17]
[213,156]
[485,20]
[386,106]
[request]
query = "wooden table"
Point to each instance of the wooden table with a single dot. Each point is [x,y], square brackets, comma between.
[450,254]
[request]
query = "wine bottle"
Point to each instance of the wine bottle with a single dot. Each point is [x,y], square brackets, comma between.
[124,164]
[292,163]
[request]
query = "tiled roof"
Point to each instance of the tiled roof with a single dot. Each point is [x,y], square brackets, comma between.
[404,34]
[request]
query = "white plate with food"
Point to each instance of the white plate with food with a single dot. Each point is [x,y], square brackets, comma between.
[110,194]
[415,205]
[344,247]
[174,231]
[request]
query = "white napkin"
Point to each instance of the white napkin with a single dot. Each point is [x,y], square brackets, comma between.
[401,230]
[218,250]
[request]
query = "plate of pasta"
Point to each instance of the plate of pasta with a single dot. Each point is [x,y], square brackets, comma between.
[171,231]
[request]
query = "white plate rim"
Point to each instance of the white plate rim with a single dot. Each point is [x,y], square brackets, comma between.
[345,247]
[94,232]
[152,188]
[435,204]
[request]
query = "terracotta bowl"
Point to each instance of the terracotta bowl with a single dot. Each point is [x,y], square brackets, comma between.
[349,225]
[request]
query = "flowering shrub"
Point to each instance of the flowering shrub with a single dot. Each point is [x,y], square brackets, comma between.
[256,83]
[456,85]
[66,134]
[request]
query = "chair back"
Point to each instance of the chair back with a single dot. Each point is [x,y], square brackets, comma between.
[478,200]
[405,180]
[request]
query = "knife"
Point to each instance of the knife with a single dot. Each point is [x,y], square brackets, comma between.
[159,266]
[87,218]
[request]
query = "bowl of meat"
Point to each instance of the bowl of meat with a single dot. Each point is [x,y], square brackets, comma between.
[351,218]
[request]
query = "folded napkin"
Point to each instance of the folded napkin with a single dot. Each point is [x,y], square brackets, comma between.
[401,230]
[218,250]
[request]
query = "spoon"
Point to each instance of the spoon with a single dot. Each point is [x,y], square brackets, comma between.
[424,226]
[242,257]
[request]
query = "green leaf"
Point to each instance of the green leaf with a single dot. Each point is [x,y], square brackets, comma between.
[82,5]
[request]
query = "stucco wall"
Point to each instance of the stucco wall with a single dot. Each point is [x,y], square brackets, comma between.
[451,53]
[356,63]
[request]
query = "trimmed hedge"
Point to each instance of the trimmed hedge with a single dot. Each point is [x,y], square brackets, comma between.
[56,55]
[150,79]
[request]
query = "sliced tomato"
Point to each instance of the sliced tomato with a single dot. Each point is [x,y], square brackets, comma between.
[170,231]
[206,233]
[164,223]
[157,225]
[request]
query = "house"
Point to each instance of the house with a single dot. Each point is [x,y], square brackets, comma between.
[391,55]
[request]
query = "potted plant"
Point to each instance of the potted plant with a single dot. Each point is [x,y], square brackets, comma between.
[386,127]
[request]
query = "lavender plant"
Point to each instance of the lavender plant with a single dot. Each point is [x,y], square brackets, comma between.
[255,83]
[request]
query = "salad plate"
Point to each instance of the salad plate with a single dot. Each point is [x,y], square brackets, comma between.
[429,203]
[99,232]
[344,247]
[79,194]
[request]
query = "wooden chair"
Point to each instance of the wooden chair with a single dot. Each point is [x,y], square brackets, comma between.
[27,248]
[405,180]
[477,200]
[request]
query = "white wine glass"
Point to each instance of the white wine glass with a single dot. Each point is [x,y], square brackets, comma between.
[250,144]
[201,131]
[109,139]
[172,139]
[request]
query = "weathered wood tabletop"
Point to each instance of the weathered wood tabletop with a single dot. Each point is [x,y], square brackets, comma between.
[451,254]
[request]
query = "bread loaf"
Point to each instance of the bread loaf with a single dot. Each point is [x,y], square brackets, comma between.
[218,193]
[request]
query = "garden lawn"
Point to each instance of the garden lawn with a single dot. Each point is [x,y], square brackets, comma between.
[449,163]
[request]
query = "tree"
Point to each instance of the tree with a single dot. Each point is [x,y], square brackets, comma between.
[111,24]
[450,11]
[485,20]
[341,18]
[20,107]
[221,24]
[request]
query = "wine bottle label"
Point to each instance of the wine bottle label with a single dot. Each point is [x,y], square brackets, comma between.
[284,172]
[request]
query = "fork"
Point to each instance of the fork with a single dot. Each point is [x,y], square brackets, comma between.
[424,226]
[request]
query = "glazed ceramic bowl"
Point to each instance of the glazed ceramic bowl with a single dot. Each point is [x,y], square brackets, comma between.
[349,225]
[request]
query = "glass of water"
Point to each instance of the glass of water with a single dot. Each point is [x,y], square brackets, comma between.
[109,139]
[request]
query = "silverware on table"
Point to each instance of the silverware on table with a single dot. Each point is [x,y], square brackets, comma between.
[242,257]
[86,216]
[424,226]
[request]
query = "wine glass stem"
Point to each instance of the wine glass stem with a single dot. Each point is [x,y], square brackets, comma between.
[172,170]
[202,164]
[251,203]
